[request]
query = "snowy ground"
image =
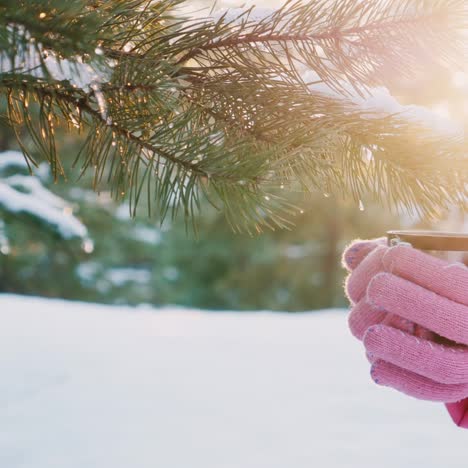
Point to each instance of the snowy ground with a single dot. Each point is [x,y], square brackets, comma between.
[86,386]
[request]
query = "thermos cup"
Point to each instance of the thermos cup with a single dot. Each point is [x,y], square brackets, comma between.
[448,245]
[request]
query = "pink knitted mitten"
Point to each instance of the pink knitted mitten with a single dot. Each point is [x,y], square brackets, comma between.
[410,310]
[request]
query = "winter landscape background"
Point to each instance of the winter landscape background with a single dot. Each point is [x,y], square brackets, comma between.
[229,377]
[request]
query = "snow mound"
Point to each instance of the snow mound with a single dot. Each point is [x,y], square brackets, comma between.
[83,385]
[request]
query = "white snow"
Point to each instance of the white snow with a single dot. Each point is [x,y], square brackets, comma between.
[379,101]
[100,387]
[17,202]
[121,276]
[12,159]
[230,15]
[83,75]
[148,235]
[123,212]
[32,185]
[25,194]
[87,271]
[5,248]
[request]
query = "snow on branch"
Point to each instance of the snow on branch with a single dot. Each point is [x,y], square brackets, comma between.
[24,194]
[379,101]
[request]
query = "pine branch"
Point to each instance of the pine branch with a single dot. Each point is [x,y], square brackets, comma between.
[188,108]
[113,148]
[351,39]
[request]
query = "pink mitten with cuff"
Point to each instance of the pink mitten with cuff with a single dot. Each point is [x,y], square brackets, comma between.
[410,309]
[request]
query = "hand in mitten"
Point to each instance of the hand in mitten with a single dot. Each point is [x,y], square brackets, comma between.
[411,312]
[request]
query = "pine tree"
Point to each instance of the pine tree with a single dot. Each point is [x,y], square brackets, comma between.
[238,108]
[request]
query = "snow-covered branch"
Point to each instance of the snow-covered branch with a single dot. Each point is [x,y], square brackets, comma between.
[25,195]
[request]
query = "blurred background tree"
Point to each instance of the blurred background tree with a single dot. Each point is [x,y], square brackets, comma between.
[143,260]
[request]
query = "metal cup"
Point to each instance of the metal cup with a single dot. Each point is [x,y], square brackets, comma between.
[448,245]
